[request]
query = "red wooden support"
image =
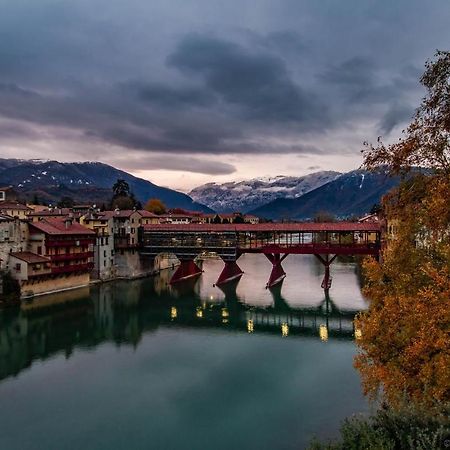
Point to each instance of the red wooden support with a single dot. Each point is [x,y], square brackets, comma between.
[278,274]
[230,272]
[327,279]
[187,269]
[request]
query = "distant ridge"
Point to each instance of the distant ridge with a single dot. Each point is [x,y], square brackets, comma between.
[250,194]
[353,193]
[84,182]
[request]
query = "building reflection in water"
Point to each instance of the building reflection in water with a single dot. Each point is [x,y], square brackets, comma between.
[122,312]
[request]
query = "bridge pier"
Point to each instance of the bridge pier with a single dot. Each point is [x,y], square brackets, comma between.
[278,274]
[230,272]
[327,278]
[187,269]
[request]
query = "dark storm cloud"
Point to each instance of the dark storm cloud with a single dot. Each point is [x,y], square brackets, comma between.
[168,97]
[174,162]
[396,115]
[198,77]
[258,83]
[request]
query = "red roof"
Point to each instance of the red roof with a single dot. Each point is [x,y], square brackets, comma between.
[14,205]
[54,212]
[284,227]
[30,258]
[122,213]
[145,213]
[57,226]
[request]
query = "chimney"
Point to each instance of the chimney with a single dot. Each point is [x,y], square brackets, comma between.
[68,222]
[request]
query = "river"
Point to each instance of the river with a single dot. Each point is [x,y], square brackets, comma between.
[141,365]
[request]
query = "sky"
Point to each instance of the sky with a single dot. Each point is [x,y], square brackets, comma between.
[185,92]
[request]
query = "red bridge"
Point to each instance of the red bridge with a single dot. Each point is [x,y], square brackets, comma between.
[274,240]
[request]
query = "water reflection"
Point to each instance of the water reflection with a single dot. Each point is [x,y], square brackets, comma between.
[122,312]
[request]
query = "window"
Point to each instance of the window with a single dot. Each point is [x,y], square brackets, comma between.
[18,267]
[104,253]
[39,250]
[2,195]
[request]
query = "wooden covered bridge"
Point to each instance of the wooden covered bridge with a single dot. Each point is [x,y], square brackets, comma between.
[274,240]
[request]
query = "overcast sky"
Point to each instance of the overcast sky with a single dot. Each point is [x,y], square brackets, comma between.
[183,92]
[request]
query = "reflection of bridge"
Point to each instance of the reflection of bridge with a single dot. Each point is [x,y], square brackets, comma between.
[122,312]
[275,241]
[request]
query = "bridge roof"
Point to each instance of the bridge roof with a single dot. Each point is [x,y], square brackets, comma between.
[304,227]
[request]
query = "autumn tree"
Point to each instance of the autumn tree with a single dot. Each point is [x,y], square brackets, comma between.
[404,341]
[156,206]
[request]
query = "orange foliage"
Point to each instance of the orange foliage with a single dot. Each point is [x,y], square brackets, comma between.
[155,206]
[404,348]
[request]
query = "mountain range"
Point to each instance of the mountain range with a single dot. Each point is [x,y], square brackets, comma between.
[353,193]
[89,182]
[280,197]
[251,194]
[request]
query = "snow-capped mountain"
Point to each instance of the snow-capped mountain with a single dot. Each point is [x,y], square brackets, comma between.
[250,194]
[90,182]
[353,193]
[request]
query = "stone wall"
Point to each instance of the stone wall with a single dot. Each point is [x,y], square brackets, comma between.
[130,264]
[42,286]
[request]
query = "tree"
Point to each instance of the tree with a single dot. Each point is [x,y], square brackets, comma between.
[324,216]
[376,209]
[122,202]
[66,202]
[155,206]
[121,189]
[404,341]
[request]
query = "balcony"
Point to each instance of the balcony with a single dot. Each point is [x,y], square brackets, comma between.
[73,268]
[69,242]
[71,256]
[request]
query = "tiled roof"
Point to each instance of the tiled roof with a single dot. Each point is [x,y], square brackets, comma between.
[57,226]
[122,213]
[145,213]
[52,212]
[14,205]
[29,257]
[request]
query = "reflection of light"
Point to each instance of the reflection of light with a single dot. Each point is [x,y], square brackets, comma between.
[284,329]
[199,313]
[358,333]
[224,320]
[211,297]
[225,312]
[173,312]
[323,332]
[250,325]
